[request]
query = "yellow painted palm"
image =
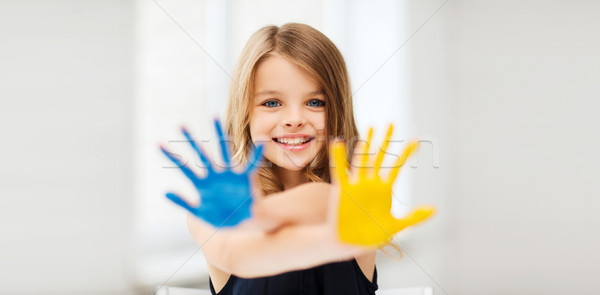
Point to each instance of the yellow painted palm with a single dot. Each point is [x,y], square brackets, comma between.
[365,200]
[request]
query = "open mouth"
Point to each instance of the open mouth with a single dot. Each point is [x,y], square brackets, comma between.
[297,141]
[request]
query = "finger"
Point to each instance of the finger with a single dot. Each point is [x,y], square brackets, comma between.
[185,169]
[420,214]
[199,151]
[338,160]
[179,201]
[408,150]
[223,143]
[362,170]
[355,161]
[253,163]
[383,149]
[416,216]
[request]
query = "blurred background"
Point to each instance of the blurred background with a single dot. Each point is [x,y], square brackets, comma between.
[503,95]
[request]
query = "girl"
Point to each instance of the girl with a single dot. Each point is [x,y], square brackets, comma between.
[290,94]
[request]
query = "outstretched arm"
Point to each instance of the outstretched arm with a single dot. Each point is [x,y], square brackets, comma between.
[304,204]
[254,253]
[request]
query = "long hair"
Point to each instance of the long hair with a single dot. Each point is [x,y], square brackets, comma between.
[312,51]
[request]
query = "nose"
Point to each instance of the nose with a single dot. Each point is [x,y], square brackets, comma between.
[294,118]
[294,123]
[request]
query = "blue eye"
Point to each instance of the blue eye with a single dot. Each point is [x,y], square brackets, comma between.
[316,103]
[271,104]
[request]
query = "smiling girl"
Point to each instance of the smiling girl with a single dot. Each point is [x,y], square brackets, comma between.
[291,94]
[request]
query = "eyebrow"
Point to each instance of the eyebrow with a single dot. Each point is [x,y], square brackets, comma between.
[269,92]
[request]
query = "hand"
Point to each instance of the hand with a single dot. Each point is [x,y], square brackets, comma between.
[225,195]
[365,198]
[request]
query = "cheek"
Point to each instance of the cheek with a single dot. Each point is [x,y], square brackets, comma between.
[260,127]
[319,122]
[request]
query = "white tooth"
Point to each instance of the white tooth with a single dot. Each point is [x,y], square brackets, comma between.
[293,141]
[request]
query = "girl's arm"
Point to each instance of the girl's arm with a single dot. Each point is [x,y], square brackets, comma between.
[251,252]
[254,253]
[304,204]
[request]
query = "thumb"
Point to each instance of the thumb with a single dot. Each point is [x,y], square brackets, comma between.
[179,201]
[416,216]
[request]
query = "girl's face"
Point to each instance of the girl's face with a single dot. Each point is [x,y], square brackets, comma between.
[288,113]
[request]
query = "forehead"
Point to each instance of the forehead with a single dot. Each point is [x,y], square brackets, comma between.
[276,74]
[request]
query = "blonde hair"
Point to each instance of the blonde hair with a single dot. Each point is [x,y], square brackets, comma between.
[316,54]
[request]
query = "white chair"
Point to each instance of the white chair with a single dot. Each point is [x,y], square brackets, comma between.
[167,290]
[406,291]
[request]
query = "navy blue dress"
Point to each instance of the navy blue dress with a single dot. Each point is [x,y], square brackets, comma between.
[329,279]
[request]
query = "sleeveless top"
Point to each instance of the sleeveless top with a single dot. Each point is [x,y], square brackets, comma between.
[329,279]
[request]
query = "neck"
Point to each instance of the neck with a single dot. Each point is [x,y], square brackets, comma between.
[290,178]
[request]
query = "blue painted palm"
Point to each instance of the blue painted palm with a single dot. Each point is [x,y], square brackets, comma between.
[225,195]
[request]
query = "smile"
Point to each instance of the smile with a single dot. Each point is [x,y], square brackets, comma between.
[293,143]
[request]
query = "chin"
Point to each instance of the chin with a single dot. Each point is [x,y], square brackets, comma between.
[288,164]
[292,167]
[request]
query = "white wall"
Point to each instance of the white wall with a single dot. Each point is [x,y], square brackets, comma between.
[506,90]
[65,173]
[511,90]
